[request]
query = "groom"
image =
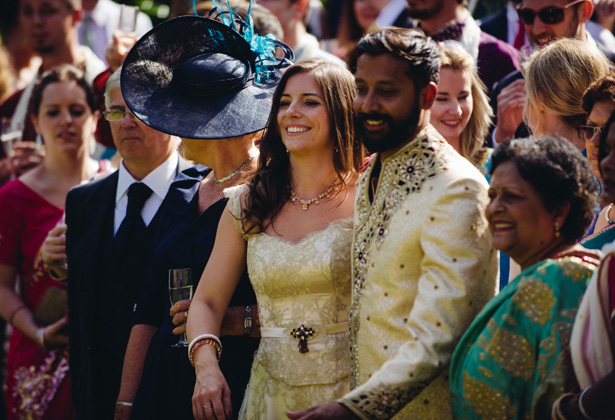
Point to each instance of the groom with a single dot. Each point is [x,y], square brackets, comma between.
[423,265]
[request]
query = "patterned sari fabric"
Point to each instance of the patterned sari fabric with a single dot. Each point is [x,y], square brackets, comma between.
[514,360]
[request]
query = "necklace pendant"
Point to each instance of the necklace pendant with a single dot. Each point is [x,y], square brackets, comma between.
[305,206]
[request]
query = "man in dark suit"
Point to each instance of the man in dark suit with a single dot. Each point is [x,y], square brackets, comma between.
[498,25]
[107,258]
[508,98]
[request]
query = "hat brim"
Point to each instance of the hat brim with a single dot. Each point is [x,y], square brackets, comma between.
[147,73]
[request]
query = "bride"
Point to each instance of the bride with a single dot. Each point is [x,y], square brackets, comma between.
[292,226]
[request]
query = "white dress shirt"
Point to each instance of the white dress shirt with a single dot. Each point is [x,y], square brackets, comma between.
[105,19]
[159,181]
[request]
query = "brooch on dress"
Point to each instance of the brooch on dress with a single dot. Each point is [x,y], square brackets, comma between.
[302,334]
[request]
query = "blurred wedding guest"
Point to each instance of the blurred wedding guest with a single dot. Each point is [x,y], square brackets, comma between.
[598,103]
[566,20]
[511,362]
[450,19]
[356,19]
[556,77]
[592,341]
[100,20]
[24,59]
[109,238]
[505,25]
[189,220]
[7,74]
[462,113]
[38,385]
[51,28]
[293,16]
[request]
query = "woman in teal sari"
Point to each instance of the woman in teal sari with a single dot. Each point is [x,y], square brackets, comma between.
[513,362]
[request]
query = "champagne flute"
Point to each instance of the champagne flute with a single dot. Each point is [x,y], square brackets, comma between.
[128,26]
[180,288]
[10,133]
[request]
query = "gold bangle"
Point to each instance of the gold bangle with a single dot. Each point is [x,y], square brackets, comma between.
[40,338]
[202,342]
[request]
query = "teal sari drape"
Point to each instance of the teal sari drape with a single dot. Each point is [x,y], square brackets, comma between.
[513,362]
[600,239]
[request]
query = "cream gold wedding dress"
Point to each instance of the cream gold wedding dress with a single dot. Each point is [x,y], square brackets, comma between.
[305,287]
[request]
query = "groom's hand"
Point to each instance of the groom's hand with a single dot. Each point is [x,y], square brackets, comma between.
[330,411]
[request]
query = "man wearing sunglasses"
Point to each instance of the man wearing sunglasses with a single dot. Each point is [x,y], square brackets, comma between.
[544,21]
[445,20]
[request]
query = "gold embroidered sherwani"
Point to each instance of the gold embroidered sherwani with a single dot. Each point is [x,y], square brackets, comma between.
[423,266]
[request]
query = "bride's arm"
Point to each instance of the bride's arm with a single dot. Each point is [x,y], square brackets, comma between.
[211,299]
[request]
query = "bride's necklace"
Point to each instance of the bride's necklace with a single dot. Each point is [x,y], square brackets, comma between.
[232,174]
[315,200]
[606,215]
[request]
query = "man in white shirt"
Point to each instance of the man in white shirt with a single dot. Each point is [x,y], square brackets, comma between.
[100,20]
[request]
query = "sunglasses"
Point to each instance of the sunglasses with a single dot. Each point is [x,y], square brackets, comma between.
[550,15]
[587,132]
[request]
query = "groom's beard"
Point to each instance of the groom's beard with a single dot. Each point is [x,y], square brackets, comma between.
[392,135]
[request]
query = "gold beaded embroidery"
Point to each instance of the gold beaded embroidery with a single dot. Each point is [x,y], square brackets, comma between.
[401,175]
[535,298]
[487,402]
[385,401]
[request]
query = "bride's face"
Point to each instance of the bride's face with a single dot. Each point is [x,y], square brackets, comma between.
[303,118]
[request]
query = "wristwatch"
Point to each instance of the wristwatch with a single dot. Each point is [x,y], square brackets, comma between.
[247,321]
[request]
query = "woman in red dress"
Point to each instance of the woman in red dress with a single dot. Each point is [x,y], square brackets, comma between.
[38,385]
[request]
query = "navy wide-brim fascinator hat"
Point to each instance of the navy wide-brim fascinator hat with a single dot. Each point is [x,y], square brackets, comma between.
[199,78]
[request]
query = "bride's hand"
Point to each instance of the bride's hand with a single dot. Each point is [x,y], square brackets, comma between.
[212,397]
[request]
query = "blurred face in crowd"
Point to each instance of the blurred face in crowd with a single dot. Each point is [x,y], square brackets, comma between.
[425,9]
[561,23]
[519,222]
[386,106]
[607,164]
[65,120]
[47,23]
[598,117]
[366,11]
[451,111]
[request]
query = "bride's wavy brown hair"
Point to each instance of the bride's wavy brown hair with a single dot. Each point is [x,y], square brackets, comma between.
[269,190]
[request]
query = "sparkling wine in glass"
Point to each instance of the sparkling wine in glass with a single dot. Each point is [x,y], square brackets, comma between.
[180,288]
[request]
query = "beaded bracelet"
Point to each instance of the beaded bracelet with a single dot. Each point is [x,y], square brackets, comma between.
[202,340]
[40,337]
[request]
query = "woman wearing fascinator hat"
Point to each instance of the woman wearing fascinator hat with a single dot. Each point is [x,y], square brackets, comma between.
[291,226]
[210,83]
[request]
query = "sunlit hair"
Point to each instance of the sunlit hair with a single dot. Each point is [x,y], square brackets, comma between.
[270,188]
[601,90]
[455,57]
[113,82]
[7,74]
[61,73]
[557,76]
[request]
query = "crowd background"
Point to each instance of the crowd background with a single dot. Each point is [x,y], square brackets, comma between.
[495,85]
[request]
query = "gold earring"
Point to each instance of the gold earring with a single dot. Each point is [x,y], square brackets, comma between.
[557,232]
